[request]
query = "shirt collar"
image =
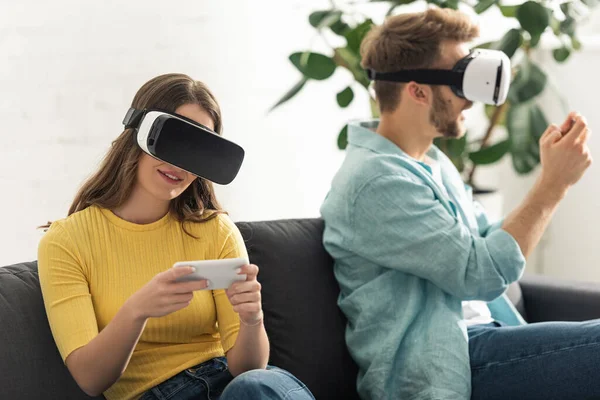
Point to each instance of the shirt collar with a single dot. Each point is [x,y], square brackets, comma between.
[362,134]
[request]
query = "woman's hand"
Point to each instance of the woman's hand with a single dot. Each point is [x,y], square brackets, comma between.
[245,297]
[162,295]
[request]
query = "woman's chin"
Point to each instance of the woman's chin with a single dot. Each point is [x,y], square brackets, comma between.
[166,195]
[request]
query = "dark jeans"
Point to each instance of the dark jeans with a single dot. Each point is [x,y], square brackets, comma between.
[550,360]
[212,380]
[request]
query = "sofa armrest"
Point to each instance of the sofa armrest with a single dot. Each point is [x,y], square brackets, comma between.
[552,299]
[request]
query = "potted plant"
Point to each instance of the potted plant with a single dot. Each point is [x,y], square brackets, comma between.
[521,115]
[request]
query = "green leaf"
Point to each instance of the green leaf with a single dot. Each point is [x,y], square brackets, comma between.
[486,45]
[539,124]
[491,154]
[534,85]
[452,4]
[355,36]
[346,58]
[313,65]
[529,83]
[454,149]
[315,18]
[509,11]
[339,27]
[345,97]
[342,140]
[483,5]
[533,17]
[568,26]
[535,40]
[321,19]
[510,42]
[525,124]
[291,93]
[561,54]
[575,43]
[459,163]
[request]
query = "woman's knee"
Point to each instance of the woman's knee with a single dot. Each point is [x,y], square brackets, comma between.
[272,383]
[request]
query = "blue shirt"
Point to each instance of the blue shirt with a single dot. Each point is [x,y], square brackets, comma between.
[407,252]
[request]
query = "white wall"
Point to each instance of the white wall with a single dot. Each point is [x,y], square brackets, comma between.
[569,248]
[70,69]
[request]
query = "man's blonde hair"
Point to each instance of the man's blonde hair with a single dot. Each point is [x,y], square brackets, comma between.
[409,41]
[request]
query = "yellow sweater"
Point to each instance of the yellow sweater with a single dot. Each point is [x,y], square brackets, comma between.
[92,261]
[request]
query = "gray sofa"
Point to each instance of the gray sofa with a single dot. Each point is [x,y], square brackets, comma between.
[305,326]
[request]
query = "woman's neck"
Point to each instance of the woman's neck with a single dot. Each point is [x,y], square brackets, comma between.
[142,208]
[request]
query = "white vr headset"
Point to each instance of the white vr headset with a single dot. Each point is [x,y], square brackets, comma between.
[179,141]
[483,75]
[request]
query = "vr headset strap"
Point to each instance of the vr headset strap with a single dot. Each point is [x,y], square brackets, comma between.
[132,118]
[424,76]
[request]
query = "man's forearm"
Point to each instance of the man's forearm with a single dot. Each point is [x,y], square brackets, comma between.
[528,222]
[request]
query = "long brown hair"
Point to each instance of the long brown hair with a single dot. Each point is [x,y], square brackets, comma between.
[114,181]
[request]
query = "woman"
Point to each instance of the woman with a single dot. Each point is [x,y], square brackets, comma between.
[122,324]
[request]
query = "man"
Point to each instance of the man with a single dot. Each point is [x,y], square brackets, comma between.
[417,261]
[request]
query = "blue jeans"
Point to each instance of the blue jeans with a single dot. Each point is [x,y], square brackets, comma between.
[212,380]
[549,360]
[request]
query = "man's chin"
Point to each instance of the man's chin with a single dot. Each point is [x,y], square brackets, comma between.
[459,130]
[453,130]
[454,134]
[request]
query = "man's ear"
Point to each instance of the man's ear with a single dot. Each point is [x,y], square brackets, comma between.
[420,94]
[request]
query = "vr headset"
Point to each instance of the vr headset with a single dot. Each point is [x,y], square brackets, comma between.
[483,75]
[179,141]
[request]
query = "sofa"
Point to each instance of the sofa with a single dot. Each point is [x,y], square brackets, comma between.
[305,326]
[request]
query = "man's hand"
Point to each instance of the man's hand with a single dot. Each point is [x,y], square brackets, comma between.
[565,157]
[564,153]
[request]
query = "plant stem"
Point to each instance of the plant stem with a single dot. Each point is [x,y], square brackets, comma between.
[488,134]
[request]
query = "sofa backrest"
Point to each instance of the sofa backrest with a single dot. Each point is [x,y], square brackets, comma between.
[304,324]
[299,294]
[305,327]
[30,365]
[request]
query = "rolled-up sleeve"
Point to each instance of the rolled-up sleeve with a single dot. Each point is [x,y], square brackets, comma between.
[486,226]
[65,291]
[399,223]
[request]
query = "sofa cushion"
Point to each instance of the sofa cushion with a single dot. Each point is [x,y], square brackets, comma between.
[515,295]
[31,366]
[305,326]
[299,293]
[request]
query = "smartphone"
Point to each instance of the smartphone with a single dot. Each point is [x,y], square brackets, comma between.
[220,273]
